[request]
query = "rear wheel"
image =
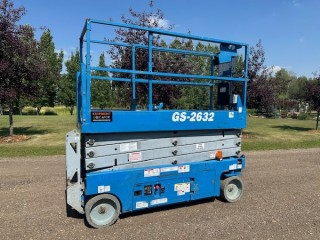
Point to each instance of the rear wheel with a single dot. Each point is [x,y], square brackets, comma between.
[231,189]
[102,210]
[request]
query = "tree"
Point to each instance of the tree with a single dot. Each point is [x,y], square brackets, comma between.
[197,97]
[297,89]
[162,62]
[283,80]
[256,61]
[262,94]
[67,84]
[53,66]
[101,92]
[20,63]
[313,89]
[172,95]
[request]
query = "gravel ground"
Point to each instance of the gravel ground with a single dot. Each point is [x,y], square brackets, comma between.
[281,201]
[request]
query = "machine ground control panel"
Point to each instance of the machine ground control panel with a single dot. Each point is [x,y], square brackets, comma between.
[128,159]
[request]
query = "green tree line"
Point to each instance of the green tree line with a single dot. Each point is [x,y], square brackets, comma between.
[272,93]
[31,71]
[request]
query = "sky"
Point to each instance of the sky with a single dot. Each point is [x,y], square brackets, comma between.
[289,29]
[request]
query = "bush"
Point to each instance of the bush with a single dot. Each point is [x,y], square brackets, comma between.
[284,114]
[49,112]
[295,115]
[303,116]
[29,111]
[251,111]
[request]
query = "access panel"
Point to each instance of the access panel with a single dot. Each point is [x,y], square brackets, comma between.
[162,192]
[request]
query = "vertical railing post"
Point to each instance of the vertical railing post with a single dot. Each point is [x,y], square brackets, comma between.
[150,38]
[133,78]
[246,59]
[80,86]
[211,81]
[88,72]
[77,96]
[81,111]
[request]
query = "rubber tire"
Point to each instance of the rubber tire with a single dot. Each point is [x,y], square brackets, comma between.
[110,202]
[225,191]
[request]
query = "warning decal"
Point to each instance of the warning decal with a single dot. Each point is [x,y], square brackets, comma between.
[142,204]
[153,172]
[159,201]
[102,189]
[127,147]
[212,155]
[101,116]
[182,188]
[233,167]
[169,169]
[200,146]
[135,156]
[184,169]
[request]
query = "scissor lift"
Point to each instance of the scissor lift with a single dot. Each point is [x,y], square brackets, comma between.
[127,160]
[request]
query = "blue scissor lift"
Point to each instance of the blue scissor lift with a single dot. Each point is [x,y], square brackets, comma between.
[126,160]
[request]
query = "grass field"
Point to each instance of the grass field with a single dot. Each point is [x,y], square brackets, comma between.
[267,134]
[47,134]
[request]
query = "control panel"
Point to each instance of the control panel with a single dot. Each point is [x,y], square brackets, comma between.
[156,193]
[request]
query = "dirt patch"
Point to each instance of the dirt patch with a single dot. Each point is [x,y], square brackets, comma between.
[280,201]
[314,131]
[14,138]
[249,135]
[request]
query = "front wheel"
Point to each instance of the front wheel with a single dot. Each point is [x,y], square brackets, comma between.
[231,189]
[102,210]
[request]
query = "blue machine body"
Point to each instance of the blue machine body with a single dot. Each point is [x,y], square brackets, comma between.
[143,186]
[138,121]
[196,181]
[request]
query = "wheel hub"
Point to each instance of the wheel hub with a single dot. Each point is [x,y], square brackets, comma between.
[102,210]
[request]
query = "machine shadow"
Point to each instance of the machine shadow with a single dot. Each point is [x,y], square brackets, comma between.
[23,131]
[167,207]
[292,128]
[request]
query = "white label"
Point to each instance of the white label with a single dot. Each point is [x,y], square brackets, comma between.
[184,169]
[239,166]
[235,99]
[231,114]
[152,172]
[233,167]
[142,204]
[102,189]
[212,155]
[240,110]
[169,169]
[200,146]
[159,201]
[182,188]
[127,147]
[135,156]
[181,193]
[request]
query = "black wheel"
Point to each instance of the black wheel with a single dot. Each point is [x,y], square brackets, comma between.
[231,189]
[102,210]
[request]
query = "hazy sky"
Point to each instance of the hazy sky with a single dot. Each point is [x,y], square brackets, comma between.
[289,29]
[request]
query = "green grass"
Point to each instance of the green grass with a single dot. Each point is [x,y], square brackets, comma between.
[57,110]
[47,134]
[267,134]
